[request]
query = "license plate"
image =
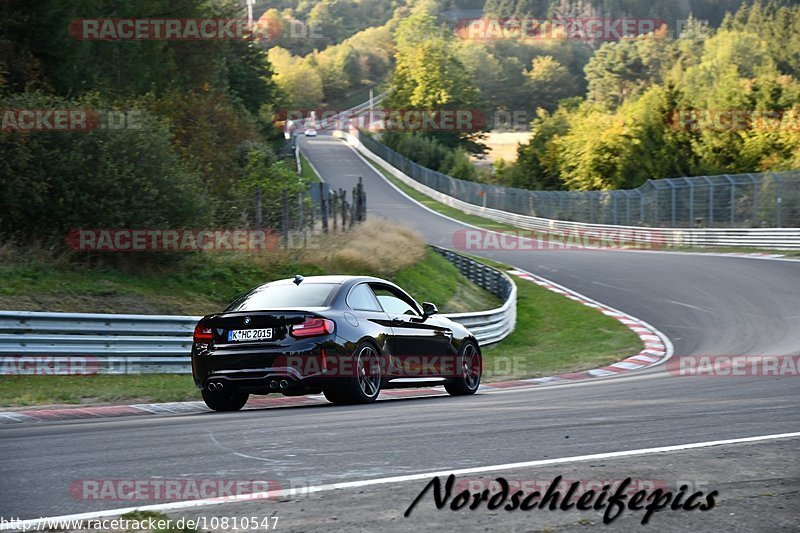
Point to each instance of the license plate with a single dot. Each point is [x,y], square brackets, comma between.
[245,335]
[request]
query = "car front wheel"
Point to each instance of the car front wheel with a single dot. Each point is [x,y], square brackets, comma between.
[471,369]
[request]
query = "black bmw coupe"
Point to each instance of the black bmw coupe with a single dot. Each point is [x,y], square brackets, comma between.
[344,336]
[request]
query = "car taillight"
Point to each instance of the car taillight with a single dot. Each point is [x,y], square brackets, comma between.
[312,327]
[202,334]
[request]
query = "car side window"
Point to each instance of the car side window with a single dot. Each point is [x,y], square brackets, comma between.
[393,304]
[362,299]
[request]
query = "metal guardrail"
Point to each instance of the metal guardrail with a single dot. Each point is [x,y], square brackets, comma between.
[493,325]
[773,238]
[84,343]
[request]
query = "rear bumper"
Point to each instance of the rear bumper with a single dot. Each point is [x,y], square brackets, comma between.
[258,368]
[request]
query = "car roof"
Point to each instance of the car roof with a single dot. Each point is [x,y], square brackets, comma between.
[331,279]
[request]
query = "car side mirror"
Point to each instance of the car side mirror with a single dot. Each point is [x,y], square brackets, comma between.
[428,309]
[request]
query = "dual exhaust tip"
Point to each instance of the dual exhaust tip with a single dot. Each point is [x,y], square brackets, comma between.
[274,385]
[282,384]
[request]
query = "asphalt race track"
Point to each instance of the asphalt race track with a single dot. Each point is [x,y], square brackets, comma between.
[705,304]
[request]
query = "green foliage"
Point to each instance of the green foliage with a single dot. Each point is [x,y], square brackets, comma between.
[630,129]
[549,81]
[429,76]
[198,102]
[54,181]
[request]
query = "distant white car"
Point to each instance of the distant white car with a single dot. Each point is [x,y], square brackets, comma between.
[311,132]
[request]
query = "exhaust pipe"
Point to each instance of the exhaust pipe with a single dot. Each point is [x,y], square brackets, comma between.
[273,385]
[215,386]
[284,384]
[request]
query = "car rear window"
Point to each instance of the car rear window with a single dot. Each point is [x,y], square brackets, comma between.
[286,295]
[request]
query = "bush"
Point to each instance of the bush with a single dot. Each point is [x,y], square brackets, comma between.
[55,181]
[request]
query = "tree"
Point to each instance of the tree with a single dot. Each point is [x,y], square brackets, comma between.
[429,76]
[548,82]
[623,69]
[298,79]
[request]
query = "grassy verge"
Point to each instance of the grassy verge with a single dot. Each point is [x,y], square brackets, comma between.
[307,172]
[18,391]
[198,284]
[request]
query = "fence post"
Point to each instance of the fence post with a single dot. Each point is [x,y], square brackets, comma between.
[754,217]
[323,211]
[258,208]
[672,211]
[731,209]
[334,200]
[711,206]
[343,195]
[778,201]
[360,201]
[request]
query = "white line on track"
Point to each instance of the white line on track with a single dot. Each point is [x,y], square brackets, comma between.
[31,524]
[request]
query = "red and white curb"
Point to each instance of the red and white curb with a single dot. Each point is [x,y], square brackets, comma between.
[657,349]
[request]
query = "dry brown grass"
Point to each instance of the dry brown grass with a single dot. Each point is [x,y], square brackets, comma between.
[375,246]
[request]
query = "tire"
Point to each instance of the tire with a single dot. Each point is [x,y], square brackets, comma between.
[224,401]
[471,371]
[365,386]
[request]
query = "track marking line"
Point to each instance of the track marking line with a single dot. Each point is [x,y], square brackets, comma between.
[402,479]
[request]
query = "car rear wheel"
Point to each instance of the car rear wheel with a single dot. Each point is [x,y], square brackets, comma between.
[224,400]
[365,385]
[471,366]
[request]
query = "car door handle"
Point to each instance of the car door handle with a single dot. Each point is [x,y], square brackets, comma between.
[397,321]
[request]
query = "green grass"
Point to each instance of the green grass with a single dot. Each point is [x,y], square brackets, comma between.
[307,173]
[17,391]
[205,284]
[437,280]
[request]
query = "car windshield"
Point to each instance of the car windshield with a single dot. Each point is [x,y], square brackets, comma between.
[286,295]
